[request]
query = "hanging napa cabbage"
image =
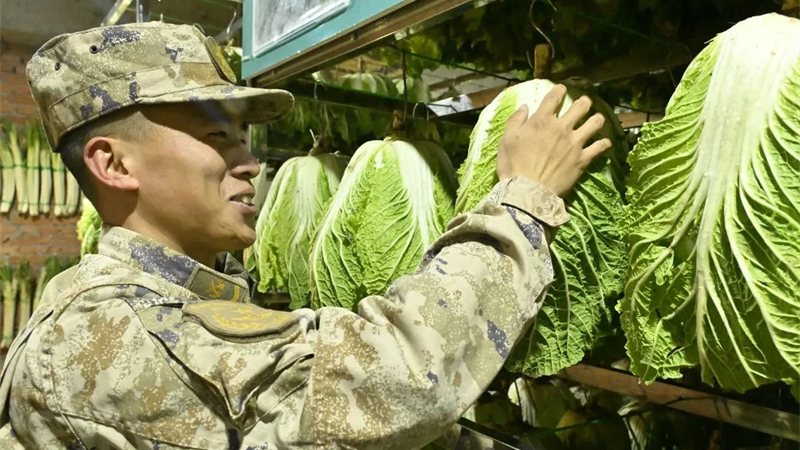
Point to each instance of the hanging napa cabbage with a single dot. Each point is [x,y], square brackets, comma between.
[588,252]
[374,83]
[361,123]
[395,199]
[418,91]
[714,219]
[288,220]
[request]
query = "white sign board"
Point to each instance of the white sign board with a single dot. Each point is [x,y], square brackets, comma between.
[275,21]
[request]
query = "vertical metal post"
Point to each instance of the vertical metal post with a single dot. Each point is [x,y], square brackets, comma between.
[142,11]
[116,11]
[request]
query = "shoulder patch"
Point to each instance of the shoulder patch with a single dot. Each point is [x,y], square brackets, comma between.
[241,320]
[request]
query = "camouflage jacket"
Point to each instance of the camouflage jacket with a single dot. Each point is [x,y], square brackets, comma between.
[139,347]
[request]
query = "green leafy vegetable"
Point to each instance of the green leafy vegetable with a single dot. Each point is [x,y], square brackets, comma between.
[655,427]
[418,91]
[7,164]
[542,402]
[32,167]
[714,219]
[59,184]
[588,252]
[374,83]
[24,284]
[10,287]
[288,221]
[19,167]
[89,228]
[46,188]
[395,198]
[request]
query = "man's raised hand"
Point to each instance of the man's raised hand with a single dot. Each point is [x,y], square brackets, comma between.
[549,149]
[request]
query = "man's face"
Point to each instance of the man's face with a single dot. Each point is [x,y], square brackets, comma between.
[193,170]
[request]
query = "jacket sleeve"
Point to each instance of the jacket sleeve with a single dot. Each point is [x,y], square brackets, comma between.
[408,365]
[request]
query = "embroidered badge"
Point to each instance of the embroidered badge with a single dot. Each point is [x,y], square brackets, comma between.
[218,58]
[242,320]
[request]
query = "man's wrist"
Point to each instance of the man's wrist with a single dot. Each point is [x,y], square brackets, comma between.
[536,200]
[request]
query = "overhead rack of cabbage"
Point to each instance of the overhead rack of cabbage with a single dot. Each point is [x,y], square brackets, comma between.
[691,236]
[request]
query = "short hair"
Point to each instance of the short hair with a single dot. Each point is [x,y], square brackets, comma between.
[127,123]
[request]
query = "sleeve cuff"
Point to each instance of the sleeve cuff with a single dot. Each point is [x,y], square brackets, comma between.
[534,199]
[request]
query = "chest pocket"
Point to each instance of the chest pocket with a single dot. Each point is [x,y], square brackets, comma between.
[235,352]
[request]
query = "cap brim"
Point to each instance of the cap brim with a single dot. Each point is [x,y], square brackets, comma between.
[253,105]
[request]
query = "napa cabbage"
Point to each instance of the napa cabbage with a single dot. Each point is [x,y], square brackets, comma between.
[714,217]
[418,91]
[374,83]
[588,252]
[395,199]
[288,220]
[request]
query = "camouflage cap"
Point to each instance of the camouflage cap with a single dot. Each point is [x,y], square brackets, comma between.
[77,78]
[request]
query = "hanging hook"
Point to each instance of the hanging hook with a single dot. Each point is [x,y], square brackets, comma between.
[427,111]
[230,24]
[552,54]
[322,115]
[405,87]
[318,83]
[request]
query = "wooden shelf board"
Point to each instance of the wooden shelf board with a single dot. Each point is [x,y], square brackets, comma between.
[754,417]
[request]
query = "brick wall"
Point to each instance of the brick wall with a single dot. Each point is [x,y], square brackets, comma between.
[31,238]
[16,103]
[37,238]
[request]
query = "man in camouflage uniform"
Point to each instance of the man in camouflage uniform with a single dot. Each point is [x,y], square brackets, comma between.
[154,344]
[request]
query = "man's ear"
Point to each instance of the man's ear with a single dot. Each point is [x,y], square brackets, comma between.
[106,159]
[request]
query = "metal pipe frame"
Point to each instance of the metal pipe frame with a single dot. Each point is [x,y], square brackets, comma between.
[115,13]
[142,11]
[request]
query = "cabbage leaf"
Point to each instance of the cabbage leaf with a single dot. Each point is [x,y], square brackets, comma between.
[588,252]
[287,223]
[395,199]
[714,217]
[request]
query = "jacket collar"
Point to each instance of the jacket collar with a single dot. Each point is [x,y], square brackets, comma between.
[229,280]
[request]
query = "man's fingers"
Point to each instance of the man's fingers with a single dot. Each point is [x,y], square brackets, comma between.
[591,127]
[519,117]
[597,148]
[551,102]
[577,111]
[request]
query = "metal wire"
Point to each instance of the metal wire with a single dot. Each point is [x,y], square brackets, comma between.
[546,37]
[590,17]
[457,66]
[405,86]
